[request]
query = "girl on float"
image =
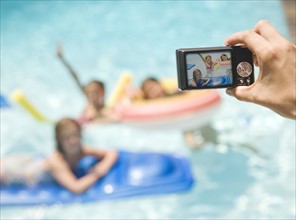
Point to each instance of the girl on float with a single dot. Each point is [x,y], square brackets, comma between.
[210,64]
[61,164]
[198,80]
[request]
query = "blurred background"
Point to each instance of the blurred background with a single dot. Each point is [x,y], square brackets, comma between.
[248,173]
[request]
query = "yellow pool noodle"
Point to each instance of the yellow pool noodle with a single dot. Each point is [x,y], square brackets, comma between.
[118,91]
[170,85]
[217,66]
[19,97]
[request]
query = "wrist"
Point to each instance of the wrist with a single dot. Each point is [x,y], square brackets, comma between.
[96,173]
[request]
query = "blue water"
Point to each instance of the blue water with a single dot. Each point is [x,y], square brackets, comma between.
[248,174]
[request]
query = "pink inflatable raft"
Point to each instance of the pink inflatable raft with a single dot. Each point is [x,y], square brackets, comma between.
[186,111]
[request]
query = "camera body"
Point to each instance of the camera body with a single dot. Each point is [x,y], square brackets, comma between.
[214,67]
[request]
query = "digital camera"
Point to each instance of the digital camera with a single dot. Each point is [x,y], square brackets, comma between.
[215,67]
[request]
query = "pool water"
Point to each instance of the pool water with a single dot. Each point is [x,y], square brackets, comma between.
[246,172]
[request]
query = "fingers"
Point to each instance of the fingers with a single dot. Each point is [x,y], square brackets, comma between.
[229,92]
[259,40]
[267,31]
[242,93]
[256,43]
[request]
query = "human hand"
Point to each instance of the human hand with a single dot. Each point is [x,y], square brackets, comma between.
[275,87]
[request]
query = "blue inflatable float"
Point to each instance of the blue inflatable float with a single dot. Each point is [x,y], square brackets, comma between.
[134,174]
[220,81]
[3,102]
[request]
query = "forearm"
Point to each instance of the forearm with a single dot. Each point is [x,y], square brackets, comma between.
[80,185]
[72,72]
[84,183]
[106,163]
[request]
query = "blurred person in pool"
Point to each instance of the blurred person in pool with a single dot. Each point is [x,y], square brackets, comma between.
[151,89]
[275,87]
[94,91]
[61,164]
[224,57]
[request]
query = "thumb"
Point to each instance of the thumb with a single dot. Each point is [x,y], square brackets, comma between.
[242,93]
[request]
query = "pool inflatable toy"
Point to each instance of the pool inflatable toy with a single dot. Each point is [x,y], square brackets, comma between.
[190,110]
[19,97]
[170,85]
[3,102]
[134,174]
[190,66]
[121,84]
[220,80]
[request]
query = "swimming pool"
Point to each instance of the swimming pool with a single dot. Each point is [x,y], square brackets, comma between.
[101,39]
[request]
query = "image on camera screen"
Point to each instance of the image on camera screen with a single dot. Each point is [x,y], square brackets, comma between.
[209,69]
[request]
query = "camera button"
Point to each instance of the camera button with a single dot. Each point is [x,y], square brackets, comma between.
[244,69]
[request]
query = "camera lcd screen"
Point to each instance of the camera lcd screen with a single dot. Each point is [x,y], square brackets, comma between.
[209,69]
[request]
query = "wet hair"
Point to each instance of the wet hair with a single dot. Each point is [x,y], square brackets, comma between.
[59,127]
[153,79]
[223,55]
[149,79]
[206,57]
[99,83]
[196,71]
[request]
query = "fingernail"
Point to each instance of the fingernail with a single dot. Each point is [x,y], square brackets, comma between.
[229,92]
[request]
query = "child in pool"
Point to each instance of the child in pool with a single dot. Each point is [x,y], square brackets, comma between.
[224,57]
[150,88]
[95,110]
[61,163]
[95,93]
[210,64]
[198,80]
